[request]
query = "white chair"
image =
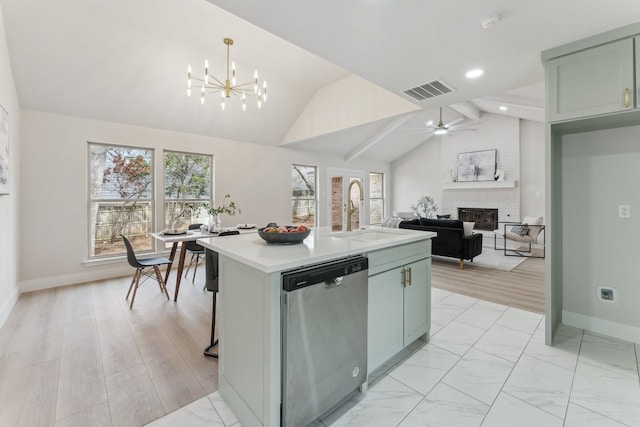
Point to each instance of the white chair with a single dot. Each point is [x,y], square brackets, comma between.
[526,232]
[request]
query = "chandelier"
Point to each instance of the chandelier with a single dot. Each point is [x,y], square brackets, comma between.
[242,91]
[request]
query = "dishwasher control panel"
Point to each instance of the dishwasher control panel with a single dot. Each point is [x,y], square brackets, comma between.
[319,273]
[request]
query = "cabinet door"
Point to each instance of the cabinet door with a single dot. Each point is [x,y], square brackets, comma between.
[417,297]
[591,82]
[637,91]
[384,333]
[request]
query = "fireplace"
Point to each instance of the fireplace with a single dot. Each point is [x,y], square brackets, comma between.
[485,219]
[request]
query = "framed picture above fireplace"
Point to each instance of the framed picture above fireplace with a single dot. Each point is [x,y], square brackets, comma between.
[477,166]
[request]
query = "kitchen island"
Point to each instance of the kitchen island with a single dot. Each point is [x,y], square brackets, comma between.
[250,328]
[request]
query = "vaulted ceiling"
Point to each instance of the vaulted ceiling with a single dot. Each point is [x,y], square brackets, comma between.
[126,61]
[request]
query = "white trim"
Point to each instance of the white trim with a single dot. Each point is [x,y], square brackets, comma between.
[601,326]
[75,278]
[470,185]
[8,306]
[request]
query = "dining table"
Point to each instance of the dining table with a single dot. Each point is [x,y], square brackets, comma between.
[178,240]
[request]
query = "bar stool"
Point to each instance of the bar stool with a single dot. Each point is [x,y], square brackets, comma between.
[211,285]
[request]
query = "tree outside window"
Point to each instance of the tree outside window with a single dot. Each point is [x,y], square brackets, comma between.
[303,199]
[376,198]
[187,188]
[121,198]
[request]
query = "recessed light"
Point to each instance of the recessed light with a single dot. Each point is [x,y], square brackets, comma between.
[473,74]
[502,108]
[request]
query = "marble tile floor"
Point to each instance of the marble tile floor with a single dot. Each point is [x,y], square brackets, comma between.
[486,365]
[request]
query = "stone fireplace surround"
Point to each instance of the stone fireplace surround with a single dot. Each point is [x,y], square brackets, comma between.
[497,132]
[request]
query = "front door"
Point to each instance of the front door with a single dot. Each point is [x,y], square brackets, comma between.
[340,182]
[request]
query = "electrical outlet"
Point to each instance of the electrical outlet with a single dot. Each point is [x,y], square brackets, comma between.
[607,294]
[624,211]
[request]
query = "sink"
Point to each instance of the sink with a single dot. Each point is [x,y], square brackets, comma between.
[367,235]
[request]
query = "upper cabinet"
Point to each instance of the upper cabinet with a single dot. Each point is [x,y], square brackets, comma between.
[591,82]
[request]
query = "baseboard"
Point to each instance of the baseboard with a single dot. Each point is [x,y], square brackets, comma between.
[601,326]
[75,278]
[8,305]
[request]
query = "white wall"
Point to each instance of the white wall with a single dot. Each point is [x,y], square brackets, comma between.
[416,174]
[424,170]
[532,168]
[599,172]
[9,205]
[54,187]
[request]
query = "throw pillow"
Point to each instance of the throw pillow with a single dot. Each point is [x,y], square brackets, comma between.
[520,230]
[404,215]
[447,216]
[533,221]
[468,228]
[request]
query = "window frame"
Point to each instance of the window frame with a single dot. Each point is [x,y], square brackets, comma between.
[90,200]
[315,192]
[165,200]
[381,199]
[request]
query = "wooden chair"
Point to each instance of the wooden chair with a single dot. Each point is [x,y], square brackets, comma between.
[196,252]
[141,266]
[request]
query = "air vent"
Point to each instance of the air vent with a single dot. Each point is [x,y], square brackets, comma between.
[428,90]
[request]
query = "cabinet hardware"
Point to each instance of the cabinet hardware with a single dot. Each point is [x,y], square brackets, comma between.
[404,277]
[409,275]
[626,97]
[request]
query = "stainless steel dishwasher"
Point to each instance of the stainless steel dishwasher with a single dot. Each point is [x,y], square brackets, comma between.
[324,338]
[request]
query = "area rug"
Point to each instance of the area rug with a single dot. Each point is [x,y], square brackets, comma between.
[490,258]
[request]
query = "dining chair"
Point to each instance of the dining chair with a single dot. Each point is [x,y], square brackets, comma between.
[196,252]
[141,266]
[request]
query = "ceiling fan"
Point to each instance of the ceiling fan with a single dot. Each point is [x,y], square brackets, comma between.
[441,128]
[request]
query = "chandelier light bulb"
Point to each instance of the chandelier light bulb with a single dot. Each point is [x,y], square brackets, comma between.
[440,132]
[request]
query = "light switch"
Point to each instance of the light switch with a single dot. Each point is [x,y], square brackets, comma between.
[624,211]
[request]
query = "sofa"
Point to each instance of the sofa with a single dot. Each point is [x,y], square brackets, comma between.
[451,240]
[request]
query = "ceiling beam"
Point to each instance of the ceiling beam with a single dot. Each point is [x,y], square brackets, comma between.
[359,150]
[466,109]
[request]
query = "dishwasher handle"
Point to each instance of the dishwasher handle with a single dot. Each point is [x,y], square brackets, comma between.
[334,282]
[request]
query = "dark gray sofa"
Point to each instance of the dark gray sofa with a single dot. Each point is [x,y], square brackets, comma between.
[451,241]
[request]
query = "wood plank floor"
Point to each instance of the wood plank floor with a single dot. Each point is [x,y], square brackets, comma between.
[77,356]
[522,287]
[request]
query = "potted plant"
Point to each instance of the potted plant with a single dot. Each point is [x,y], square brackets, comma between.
[228,207]
[425,207]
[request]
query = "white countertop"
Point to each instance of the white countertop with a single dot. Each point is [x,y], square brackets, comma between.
[321,245]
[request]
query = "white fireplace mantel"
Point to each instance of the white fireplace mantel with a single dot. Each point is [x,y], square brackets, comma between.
[470,185]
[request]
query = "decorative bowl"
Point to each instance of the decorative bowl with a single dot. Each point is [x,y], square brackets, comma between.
[283,238]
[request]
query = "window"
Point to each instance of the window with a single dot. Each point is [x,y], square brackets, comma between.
[376,198]
[303,199]
[120,198]
[187,188]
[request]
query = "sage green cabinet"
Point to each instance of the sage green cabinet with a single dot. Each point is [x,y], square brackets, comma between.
[591,82]
[399,310]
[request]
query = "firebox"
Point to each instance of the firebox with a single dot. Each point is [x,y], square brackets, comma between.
[485,219]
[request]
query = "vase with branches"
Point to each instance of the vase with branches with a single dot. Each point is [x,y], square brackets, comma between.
[228,207]
[425,207]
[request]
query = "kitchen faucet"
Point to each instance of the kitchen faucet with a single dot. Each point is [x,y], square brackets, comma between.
[350,206]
